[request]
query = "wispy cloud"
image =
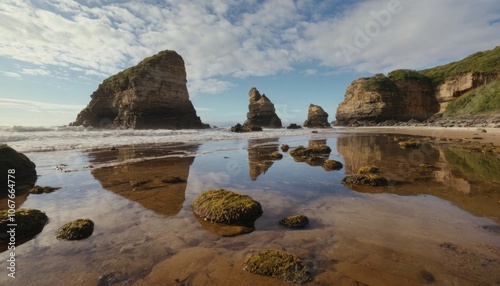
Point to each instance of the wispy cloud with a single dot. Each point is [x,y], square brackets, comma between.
[11,74]
[223,39]
[37,105]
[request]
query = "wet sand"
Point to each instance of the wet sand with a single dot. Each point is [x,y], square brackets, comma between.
[437,226]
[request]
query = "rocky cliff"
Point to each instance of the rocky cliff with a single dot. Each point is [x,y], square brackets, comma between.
[316,117]
[261,112]
[405,95]
[150,95]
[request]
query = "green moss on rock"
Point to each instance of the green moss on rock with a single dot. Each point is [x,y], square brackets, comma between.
[30,222]
[42,190]
[332,165]
[380,83]
[226,207]
[373,180]
[276,155]
[410,144]
[76,230]
[295,221]
[310,151]
[278,264]
[368,170]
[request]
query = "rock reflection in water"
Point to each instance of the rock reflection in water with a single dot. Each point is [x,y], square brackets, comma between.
[457,175]
[150,181]
[259,155]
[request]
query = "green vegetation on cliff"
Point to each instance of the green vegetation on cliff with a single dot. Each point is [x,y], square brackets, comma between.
[482,100]
[486,61]
[403,74]
[380,83]
[121,80]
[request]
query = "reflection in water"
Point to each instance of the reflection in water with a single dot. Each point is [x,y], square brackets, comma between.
[156,184]
[465,178]
[259,155]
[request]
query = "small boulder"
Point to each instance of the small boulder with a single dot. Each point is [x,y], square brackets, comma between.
[285,147]
[368,170]
[276,155]
[295,221]
[76,230]
[310,151]
[226,207]
[374,180]
[22,169]
[294,126]
[332,165]
[42,190]
[30,222]
[278,264]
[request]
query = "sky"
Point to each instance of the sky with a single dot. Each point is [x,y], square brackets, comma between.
[55,53]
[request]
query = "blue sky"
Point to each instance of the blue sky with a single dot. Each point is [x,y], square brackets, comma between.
[55,53]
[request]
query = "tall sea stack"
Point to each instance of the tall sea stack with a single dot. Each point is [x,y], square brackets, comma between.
[261,111]
[150,95]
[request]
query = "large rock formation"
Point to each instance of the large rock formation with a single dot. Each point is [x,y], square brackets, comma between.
[22,170]
[383,98]
[316,117]
[406,94]
[150,95]
[261,111]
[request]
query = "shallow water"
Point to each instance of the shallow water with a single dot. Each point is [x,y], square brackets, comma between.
[436,223]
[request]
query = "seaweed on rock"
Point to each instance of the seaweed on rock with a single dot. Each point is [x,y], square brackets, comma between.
[278,264]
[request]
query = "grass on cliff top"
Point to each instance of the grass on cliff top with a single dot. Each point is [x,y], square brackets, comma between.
[380,83]
[404,74]
[482,100]
[121,80]
[486,61]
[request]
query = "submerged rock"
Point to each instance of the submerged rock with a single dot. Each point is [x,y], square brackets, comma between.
[173,180]
[42,190]
[295,221]
[30,222]
[76,230]
[285,147]
[276,155]
[332,165]
[245,128]
[226,207]
[366,180]
[278,264]
[310,151]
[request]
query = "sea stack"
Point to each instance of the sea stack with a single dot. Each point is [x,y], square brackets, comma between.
[316,117]
[261,112]
[150,95]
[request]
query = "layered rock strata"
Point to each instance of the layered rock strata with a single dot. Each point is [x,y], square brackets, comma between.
[261,111]
[150,95]
[316,117]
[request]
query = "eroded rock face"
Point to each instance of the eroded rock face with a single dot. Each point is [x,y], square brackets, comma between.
[261,111]
[454,88]
[150,95]
[409,99]
[316,117]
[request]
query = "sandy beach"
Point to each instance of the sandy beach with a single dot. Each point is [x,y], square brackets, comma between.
[436,223]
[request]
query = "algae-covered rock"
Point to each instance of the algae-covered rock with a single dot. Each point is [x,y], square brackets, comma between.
[75,230]
[42,190]
[30,222]
[368,170]
[227,207]
[332,165]
[310,151]
[366,180]
[410,144]
[278,264]
[295,221]
[276,155]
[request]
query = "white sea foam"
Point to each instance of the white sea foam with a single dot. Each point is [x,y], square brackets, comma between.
[35,139]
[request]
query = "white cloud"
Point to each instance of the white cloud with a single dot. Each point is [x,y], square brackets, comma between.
[37,105]
[11,74]
[223,39]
